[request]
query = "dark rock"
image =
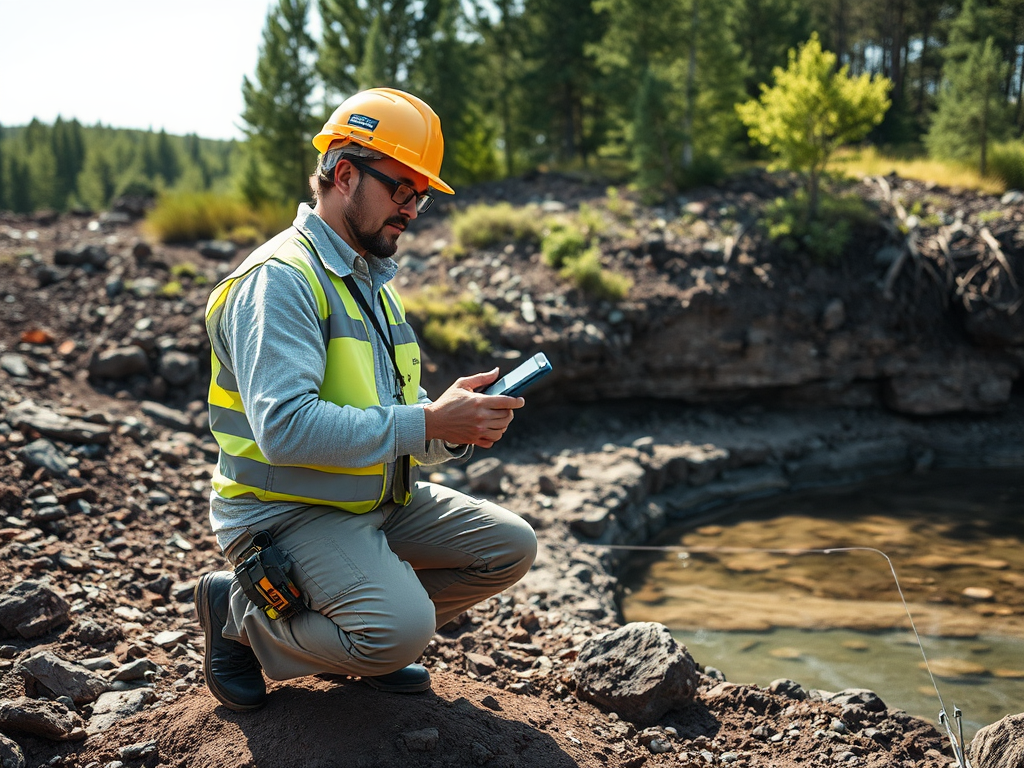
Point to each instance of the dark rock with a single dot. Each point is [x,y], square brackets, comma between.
[138,751]
[178,368]
[221,250]
[862,697]
[30,609]
[49,675]
[1000,745]
[81,255]
[53,424]
[637,671]
[11,755]
[48,719]
[165,415]
[789,688]
[119,363]
[485,475]
[137,670]
[43,453]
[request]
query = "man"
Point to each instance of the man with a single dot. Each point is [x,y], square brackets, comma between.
[315,402]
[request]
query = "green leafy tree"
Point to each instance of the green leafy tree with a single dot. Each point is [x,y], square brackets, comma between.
[812,110]
[765,30]
[278,112]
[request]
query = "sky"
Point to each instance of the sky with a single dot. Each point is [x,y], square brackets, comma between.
[176,66]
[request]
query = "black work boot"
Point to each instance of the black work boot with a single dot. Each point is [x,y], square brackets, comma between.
[411,679]
[232,671]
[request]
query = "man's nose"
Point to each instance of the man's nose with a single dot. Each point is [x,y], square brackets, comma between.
[409,209]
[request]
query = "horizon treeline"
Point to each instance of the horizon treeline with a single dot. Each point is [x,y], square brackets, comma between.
[68,166]
[640,90]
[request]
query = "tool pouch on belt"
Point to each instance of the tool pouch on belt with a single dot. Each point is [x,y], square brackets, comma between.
[264,575]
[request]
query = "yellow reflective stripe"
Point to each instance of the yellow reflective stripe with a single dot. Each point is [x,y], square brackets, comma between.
[303,482]
[239,446]
[224,398]
[227,421]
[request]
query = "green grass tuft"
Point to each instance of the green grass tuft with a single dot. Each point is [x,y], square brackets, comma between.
[450,323]
[586,272]
[483,225]
[183,217]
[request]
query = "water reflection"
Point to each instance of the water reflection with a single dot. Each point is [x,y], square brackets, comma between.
[955,540]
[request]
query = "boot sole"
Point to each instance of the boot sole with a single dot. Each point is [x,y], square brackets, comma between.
[391,688]
[202,600]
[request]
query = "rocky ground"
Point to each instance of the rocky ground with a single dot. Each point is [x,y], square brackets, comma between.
[107,462]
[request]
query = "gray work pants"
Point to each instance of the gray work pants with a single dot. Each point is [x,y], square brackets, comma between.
[379,584]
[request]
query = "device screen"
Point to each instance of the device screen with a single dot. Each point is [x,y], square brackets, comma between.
[516,380]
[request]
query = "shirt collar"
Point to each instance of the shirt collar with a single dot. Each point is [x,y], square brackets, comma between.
[337,255]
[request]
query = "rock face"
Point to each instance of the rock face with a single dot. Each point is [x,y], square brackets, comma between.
[637,671]
[1000,745]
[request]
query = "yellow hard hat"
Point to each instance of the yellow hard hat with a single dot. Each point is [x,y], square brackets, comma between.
[394,123]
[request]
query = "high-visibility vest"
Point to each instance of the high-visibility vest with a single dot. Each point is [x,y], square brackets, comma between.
[349,379]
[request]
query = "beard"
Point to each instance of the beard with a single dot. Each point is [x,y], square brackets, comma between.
[378,242]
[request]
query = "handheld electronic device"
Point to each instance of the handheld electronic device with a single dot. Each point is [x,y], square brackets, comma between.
[514,382]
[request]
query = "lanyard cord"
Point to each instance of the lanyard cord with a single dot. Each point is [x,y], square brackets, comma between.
[389,339]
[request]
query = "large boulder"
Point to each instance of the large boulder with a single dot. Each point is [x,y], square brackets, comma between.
[638,671]
[1000,745]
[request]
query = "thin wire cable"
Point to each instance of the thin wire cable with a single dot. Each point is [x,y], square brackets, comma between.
[943,717]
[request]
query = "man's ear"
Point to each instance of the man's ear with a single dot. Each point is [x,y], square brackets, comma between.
[345,177]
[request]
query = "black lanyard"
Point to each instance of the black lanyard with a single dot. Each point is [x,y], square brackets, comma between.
[389,339]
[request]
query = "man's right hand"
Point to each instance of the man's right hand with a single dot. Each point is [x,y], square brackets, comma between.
[464,416]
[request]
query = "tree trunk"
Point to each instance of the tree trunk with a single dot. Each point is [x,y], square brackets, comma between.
[984,125]
[925,34]
[691,91]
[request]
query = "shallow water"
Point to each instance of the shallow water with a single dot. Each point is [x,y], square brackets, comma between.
[835,621]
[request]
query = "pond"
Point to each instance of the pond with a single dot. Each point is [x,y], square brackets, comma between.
[744,600]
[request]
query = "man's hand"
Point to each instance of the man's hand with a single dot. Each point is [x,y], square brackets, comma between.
[462,415]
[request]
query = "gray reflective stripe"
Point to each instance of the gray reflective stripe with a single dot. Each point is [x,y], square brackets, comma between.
[230,422]
[338,324]
[226,379]
[402,332]
[301,481]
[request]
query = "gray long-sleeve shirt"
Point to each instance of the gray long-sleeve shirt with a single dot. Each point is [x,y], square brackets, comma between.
[269,337]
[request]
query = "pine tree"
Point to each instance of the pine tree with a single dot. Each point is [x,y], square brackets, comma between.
[97,182]
[971,112]
[69,152]
[278,110]
[673,73]
[168,165]
[20,195]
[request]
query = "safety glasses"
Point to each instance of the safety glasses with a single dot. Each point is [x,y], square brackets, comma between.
[401,193]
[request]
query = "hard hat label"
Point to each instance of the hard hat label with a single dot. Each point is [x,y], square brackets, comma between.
[364,122]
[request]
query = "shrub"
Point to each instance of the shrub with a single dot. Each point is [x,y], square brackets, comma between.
[451,324]
[190,216]
[618,206]
[482,225]
[562,244]
[823,238]
[172,289]
[245,234]
[185,269]
[1006,162]
[586,272]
